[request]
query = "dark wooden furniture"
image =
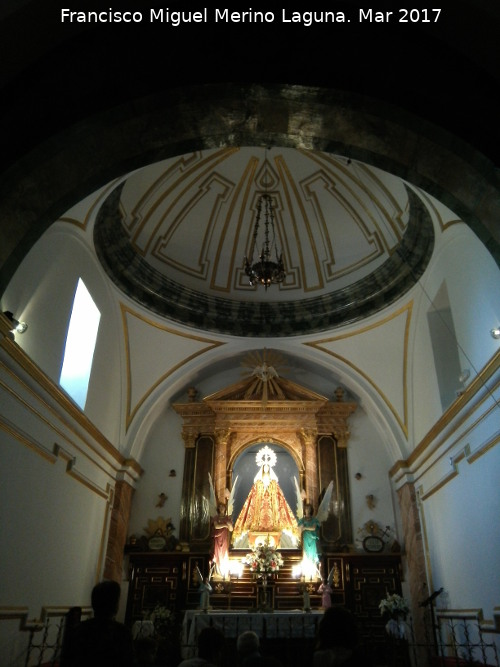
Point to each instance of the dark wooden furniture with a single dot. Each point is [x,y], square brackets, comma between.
[360,581]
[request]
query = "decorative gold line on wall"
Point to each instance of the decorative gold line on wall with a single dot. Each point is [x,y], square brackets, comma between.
[95,205]
[67,407]
[419,462]
[210,345]
[26,624]
[437,436]
[319,345]
[58,453]
[443,226]
[27,441]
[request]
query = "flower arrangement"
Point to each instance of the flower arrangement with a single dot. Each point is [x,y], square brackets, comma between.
[394,605]
[162,618]
[263,559]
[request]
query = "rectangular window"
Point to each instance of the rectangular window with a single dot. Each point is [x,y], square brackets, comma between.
[444,347]
[80,345]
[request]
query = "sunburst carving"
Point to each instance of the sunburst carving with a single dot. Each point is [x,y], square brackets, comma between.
[264,370]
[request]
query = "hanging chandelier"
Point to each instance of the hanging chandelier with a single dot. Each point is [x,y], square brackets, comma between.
[266,270]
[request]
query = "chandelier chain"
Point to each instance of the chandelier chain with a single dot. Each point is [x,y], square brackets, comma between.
[265,271]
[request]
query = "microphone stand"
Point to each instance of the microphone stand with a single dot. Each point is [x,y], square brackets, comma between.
[429,602]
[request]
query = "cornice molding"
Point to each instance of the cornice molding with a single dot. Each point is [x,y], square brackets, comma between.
[451,421]
[67,407]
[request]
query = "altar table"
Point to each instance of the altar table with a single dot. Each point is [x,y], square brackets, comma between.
[293,624]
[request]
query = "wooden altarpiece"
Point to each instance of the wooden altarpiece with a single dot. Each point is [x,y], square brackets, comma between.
[219,428]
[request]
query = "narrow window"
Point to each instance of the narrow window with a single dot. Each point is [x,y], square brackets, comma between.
[444,347]
[80,345]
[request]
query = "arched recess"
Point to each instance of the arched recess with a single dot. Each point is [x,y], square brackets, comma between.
[256,443]
[217,429]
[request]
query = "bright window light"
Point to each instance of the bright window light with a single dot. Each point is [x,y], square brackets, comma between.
[80,345]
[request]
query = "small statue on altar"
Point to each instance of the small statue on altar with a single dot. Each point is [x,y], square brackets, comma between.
[306,597]
[326,592]
[205,589]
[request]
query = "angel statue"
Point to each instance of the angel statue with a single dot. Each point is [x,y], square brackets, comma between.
[326,590]
[309,526]
[204,588]
[221,526]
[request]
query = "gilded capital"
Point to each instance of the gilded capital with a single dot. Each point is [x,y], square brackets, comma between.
[189,436]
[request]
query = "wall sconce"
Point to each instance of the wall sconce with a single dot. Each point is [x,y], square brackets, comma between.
[371,501]
[495,332]
[17,326]
[162,497]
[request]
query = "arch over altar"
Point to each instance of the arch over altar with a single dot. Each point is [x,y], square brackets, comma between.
[225,430]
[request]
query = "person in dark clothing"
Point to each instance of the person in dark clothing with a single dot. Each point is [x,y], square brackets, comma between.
[210,645]
[101,641]
[337,641]
[249,652]
[72,621]
[146,650]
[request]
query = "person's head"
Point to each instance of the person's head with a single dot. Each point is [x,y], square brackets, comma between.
[221,508]
[337,628]
[308,509]
[211,644]
[248,642]
[105,599]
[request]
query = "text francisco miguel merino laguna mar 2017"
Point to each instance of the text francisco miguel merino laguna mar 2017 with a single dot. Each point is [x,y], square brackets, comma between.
[176,18]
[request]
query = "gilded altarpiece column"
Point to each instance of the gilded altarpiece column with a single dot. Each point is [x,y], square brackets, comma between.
[222,452]
[195,515]
[336,531]
[310,462]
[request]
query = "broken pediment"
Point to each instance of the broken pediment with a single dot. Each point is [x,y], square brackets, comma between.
[264,387]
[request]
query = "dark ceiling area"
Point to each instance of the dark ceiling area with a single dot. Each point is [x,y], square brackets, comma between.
[54,74]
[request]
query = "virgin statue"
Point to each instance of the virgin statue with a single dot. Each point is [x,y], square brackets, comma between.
[266,512]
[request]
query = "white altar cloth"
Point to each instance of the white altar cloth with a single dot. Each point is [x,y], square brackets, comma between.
[293,624]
